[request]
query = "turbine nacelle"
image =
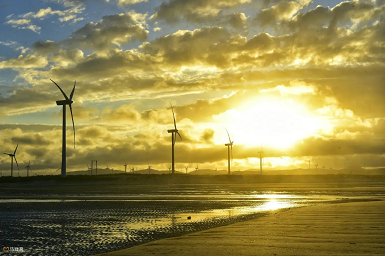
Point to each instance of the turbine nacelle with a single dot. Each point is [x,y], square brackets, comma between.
[64,102]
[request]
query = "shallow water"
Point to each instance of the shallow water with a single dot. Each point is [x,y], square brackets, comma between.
[86,224]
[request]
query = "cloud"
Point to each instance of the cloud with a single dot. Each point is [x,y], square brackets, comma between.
[45,47]
[125,113]
[39,14]
[129,2]
[19,22]
[208,135]
[238,20]
[115,29]
[284,10]
[67,18]
[28,61]
[193,11]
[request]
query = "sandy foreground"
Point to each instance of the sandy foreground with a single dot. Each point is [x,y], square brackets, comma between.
[356,228]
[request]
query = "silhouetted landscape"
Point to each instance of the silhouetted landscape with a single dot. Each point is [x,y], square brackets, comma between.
[183,127]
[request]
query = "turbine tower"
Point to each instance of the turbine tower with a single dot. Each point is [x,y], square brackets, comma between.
[229,145]
[196,168]
[64,103]
[13,156]
[28,168]
[125,167]
[260,158]
[149,168]
[173,132]
[186,169]
[96,167]
[316,166]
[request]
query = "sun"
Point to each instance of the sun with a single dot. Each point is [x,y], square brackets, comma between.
[272,122]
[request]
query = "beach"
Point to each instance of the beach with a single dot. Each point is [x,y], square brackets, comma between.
[351,228]
[79,217]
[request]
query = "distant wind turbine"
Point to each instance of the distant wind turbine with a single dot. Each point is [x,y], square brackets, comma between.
[96,167]
[186,169]
[89,168]
[125,167]
[229,145]
[309,164]
[323,166]
[28,168]
[13,156]
[173,132]
[64,103]
[196,168]
[260,158]
[149,168]
[316,166]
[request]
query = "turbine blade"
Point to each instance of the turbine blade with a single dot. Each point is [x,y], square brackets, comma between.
[73,123]
[73,90]
[228,135]
[16,148]
[179,136]
[65,96]
[173,114]
[16,163]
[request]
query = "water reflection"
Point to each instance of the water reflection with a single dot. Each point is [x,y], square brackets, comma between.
[58,227]
[274,204]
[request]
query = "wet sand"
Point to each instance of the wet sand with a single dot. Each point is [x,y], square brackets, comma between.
[356,228]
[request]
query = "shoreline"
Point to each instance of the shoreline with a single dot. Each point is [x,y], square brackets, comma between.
[350,228]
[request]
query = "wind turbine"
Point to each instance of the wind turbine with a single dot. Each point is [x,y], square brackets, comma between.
[89,168]
[28,168]
[149,168]
[92,166]
[186,169]
[309,164]
[196,168]
[64,103]
[323,166]
[169,169]
[260,158]
[228,145]
[316,166]
[173,132]
[13,156]
[125,167]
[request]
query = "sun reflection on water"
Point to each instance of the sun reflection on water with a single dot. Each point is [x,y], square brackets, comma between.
[274,204]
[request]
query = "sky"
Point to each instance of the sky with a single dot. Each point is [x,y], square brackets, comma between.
[302,80]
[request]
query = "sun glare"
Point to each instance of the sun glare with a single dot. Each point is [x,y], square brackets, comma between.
[272,122]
